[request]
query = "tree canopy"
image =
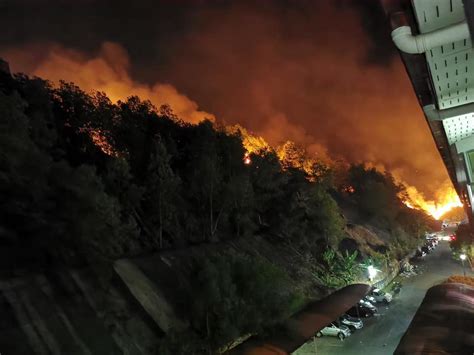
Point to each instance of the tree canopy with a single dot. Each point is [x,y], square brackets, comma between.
[119,179]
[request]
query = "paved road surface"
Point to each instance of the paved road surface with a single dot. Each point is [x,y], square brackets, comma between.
[381,334]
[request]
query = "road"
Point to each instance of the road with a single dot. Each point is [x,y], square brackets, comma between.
[381,334]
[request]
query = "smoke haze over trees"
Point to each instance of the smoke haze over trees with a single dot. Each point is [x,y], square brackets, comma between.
[284,72]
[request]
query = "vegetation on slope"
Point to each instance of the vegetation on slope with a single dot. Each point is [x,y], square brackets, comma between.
[84,180]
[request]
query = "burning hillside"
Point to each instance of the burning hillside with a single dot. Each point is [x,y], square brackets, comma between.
[292,155]
[295,144]
[446,200]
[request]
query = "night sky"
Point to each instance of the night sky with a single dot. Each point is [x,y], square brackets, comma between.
[322,73]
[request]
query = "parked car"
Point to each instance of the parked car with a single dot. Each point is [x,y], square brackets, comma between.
[361,311]
[370,299]
[367,304]
[334,330]
[426,249]
[420,253]
[352,322]
[430,236]
[381,296]
[432,242]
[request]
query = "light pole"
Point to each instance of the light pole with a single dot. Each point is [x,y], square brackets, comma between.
[372,272]
[463,257]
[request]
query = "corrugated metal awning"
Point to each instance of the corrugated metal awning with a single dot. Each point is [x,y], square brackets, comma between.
[304,325]
[444,323]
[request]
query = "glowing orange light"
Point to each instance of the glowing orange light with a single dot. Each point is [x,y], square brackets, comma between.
[446,200]
[99,139]
[350,189]
[247,159]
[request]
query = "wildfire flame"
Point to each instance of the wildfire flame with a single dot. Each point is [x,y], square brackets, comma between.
[100,141]
[253,144]
[247,160]
[446,200]
[295,156]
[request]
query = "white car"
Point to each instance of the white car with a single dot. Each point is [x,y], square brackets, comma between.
[333,330]
[381,296]
[352,322]
[370,299]
[367,304]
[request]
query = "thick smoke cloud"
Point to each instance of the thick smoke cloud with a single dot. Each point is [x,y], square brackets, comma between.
[107,72]
[321,73]
[303,74]
[380,49]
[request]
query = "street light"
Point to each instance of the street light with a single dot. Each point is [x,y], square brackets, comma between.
[463,257]
[372,272]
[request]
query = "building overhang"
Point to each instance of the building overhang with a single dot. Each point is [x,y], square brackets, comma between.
[439,59]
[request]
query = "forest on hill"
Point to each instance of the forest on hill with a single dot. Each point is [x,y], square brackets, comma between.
[85,181]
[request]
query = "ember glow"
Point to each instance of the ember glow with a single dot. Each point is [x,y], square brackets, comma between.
[447,199]
[247,160]
[101,142]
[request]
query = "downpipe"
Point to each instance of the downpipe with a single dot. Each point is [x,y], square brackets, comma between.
[408,43]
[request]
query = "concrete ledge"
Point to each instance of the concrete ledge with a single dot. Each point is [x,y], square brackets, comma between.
[149,296]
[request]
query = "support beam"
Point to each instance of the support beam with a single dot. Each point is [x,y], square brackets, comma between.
[433,114]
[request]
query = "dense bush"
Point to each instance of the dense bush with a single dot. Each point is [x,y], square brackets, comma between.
[337,270]
[230,296]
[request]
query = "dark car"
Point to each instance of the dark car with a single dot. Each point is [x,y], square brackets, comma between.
[432,241]
[361,311]
[426,249]
[420,254]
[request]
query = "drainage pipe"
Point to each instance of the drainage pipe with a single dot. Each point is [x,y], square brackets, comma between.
[408,43]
